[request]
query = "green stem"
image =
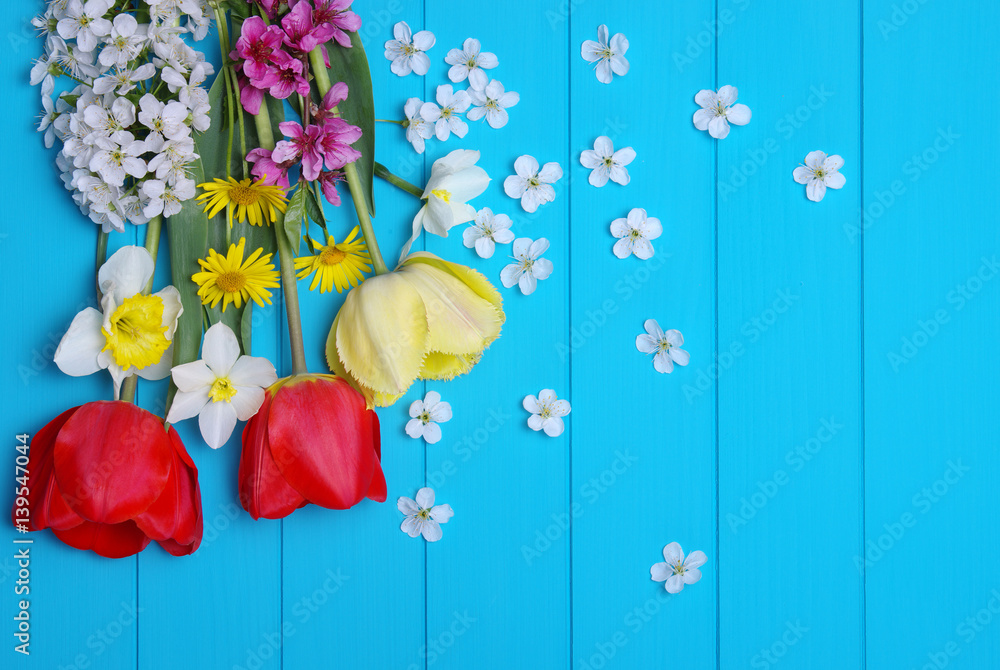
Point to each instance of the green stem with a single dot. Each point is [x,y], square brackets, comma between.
[382,172]
[102,256]
[220,20]
[289,282]
[127,393]
[398,123]
[350,171]
[238,28]
[153,244]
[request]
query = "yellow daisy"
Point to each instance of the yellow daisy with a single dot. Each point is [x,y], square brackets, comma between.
[251,199]
[232,280]
[342,265]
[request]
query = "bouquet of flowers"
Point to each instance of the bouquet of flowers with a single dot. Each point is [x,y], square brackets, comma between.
[235,175]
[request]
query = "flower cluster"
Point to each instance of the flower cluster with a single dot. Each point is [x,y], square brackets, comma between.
[275,62]
[485,97]
[126,126]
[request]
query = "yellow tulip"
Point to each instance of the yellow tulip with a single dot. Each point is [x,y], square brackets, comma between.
[428,319]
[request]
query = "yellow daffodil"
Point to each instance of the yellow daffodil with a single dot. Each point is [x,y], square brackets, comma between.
[251,199]
[230,279]
[428,319]
[341,265]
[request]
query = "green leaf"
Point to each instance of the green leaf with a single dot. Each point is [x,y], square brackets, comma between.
[293,216]
[351,67]
[187,236]
[212,145]
[314,208]
[246,327]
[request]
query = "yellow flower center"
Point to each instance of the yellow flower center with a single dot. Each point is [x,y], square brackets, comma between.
[222,390]
[424,514]
[332,256]
[425,417]
[232,281]
[243,195]
[443,194]
[135,333]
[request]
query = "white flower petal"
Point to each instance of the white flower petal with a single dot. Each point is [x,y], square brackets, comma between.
[78,350]
[220,349]
[431,530]
[815,190]
[425,498]
[247,401]
[128,270]
[407,505]
[431,433]
[217,421]
[252,371]
[663,363]
[192,376]
[553,426]
[674,584]
[442,513]
[738,114]
[415,428]
[530,403]
[187,404]
[695,559]
[673,554]
[646,344]
[659,572]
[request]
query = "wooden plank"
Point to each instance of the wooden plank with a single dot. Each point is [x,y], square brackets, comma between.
[789,314]
[931,305]
[353,583]
[485,600]
[643,443]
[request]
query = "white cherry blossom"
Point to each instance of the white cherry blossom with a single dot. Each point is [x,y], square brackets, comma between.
[492,102]
[488,230]
[718,110]
[529,267]
[445,115]
[423,517]
[606,163]
[425,415]
[819,173]
[407,51]
[531,185]
[470,63]
[608,54]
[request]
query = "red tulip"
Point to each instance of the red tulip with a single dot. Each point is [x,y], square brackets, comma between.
[107,476]
[312,441]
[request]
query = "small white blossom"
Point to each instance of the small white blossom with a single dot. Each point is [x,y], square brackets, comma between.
[417,128]
[445,114]
[547,412]
[531,185]
[423,517]
[819,173]
[664,345]
[84,22]
[492,102]
[718,110]
[676,571]
[47,121]
[606,163]
[166,199]
[119,156]
[425,415]
[124,43]
[634,234]
[530,267]
[609,55]
[122,81]
[488,231]
[407,51]
[469,62]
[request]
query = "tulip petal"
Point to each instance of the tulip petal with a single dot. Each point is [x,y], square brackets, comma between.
[444,367]
[109,540]
[321,437]
[458,320]
[112,460]
[381,333]
[45,503]
[263,490]
[471,278]
[176,514]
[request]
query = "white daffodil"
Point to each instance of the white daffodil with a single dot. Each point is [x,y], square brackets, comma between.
[609,55]
[718,110]
[492,102]
[664,345]
[407,51]
[606,163]
[455,180]
[547,412]
[221,387]
[132,333]
[819,173]
[417,128]
[529,267]
[445,115]
[488,231]
[124,43]
[425,415]
[531,185]
[677,571]
[469,62]
[634,234]
[423,517]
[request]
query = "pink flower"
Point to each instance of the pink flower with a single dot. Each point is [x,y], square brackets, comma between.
[338,16]
[328,182]
[336,139]
[271,7]
[264,167]
[305,144]
[251,97]
[289,80]
[300,31]
[336,95]
[259,46]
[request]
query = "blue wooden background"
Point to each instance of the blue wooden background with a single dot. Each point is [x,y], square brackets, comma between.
[832,446]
